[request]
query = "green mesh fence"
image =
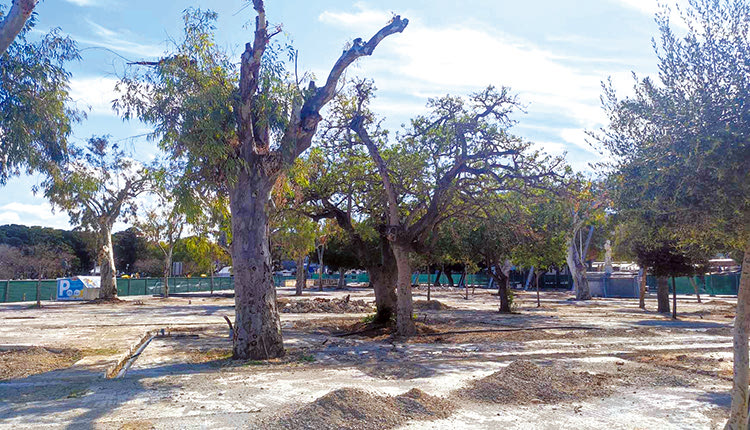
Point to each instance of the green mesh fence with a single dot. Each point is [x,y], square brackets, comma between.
[720,284]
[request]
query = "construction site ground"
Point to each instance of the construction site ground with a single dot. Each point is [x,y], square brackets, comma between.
[602,363]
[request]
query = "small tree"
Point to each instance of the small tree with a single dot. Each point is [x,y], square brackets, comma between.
[96,190]
[295,236]
[47,261]
[163,223]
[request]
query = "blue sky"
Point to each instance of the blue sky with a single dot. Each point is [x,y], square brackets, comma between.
[553,54]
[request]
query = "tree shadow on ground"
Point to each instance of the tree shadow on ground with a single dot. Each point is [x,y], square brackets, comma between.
[670,323]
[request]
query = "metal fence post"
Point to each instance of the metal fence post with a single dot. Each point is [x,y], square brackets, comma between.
[128,286]
[7,290]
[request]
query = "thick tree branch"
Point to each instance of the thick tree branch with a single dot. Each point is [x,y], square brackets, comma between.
[302,127]
[14,21]
[358,126]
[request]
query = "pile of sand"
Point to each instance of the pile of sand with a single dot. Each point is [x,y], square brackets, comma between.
[354,409]
[524,382]
[23,362]
[321,305]
[432,305]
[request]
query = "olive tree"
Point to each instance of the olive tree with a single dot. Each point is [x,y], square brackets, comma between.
[684,138]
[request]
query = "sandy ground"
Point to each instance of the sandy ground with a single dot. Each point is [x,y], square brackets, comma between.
[663,373]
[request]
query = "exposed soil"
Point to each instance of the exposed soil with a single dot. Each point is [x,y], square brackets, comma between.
[109,301]
[354,409]
[525,382]
[20,363]
[432,305]
[321,305]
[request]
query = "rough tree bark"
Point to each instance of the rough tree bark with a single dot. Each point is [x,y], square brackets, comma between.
[449,274]
[738,412]
[299,283]
[342,279]
[14,21]
[662,294]
[577,271]
[642,290]
[503,282]
[257,329]
[405,307]
[108,283]
[384,278]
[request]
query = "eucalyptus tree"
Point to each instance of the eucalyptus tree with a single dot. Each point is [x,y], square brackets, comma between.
[684,140]
[35,106]
[97,188]
[163,222]
[463,146]
[238,130]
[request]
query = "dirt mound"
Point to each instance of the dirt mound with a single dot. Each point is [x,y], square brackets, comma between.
[20,363]
[354,409]
[523,382]
[432,305]
[321,305]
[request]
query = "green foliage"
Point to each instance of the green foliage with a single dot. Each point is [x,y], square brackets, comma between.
[78,243]
[680,145]
[190,96]
[98,187]
[35,113]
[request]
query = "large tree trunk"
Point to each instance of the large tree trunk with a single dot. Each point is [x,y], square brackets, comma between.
[738,411]
[577,271]
[404,322]
[503,283]
[662,294]
[437,277]
[383,279]
[257,328]
[299,283]
[449,274]
[108,283]
[342,279]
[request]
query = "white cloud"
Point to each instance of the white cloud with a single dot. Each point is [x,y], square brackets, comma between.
[365,17]
[94,93]
[33,214]
[122,42]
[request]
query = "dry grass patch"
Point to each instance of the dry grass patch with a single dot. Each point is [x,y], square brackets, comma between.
[354,409]
[20,363]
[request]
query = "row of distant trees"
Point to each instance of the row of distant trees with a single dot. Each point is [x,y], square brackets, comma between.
[27,252]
